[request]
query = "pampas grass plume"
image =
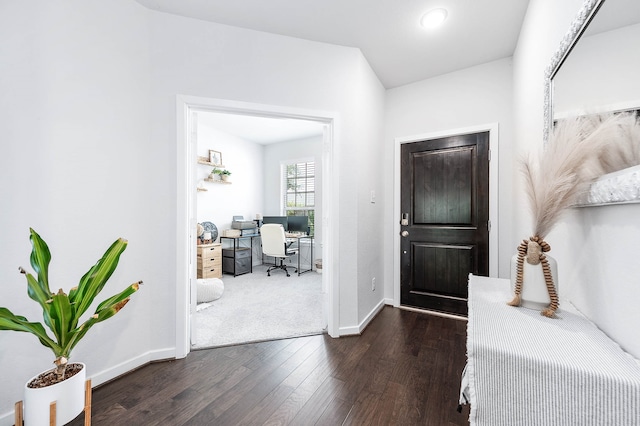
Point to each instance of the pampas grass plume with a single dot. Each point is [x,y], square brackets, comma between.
[580,150]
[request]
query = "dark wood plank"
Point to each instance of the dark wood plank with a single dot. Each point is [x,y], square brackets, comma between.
[404,369]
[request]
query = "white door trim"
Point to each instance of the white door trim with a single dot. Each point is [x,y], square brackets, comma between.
[186,208]
[492,128]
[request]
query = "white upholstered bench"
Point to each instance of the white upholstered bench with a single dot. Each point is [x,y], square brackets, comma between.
[526,369]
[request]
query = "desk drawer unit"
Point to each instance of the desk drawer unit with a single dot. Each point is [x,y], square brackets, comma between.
[209,261]
[236,262]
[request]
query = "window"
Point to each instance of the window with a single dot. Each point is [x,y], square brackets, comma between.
[298,181]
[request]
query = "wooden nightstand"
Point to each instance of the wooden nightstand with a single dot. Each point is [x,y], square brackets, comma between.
[210,260]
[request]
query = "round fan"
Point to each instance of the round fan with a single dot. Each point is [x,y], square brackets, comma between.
[210,227]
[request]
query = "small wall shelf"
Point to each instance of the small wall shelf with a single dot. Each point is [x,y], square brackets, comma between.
[217,181]
[206,162]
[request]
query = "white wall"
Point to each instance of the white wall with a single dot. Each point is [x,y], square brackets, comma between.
[475,96]
[198,58]
[244,195]
[89,131]
[597,76]
[79,167]
[365,164]
[595,247]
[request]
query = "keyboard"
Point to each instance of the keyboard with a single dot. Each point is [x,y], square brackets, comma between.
[294,234]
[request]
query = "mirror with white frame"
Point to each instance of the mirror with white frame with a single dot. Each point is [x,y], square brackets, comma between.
[596,70]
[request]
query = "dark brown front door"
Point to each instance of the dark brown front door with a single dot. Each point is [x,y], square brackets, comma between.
[445,214]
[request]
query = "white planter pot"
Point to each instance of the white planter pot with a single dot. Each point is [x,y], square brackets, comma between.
[534,290]
[68,395]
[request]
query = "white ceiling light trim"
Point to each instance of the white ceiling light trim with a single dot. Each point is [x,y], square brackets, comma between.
[434,18]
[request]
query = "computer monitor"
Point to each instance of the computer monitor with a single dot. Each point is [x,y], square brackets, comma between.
[282,220]
[298,224]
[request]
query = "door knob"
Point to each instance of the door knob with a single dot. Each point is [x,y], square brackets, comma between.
[404,233]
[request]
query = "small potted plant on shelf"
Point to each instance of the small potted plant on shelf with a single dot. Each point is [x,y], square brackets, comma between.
[216,174]
[225,175]
[65,383]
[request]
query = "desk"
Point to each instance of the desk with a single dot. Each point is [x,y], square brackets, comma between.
[233,256]
[297,239]
[527,369]
[237,259]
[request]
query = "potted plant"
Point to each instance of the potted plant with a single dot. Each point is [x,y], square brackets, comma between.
[62,312]
[215,174]
[225,174]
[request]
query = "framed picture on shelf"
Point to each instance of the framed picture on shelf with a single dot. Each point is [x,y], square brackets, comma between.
[215,157]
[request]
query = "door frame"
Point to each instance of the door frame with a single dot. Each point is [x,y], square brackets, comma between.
[186,204]
[493,129]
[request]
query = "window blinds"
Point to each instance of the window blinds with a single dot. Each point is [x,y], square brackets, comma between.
[298,184]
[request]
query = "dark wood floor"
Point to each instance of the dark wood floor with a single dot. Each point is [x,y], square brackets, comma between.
[404,370]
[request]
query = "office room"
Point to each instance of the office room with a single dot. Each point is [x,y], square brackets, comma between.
[255,302]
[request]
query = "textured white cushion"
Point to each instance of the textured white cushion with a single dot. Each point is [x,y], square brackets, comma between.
[209,289]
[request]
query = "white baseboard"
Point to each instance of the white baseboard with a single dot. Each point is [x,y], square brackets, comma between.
[365,322]
[7,419]
[355,330]
[388,301]
[348,331]
[131,364]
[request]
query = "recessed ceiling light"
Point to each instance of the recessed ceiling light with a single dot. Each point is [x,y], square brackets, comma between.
[433,18]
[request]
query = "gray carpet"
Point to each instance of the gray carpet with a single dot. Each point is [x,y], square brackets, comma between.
[255,307]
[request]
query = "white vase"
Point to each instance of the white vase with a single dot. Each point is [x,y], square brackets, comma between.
[534,293]
[68,395]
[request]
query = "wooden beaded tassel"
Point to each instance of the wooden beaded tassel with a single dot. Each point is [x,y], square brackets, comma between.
[522,252]
[551,289]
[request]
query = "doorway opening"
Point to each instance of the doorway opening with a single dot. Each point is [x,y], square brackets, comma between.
[275,167]
[188,110]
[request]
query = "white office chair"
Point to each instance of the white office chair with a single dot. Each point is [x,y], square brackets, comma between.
[274,244]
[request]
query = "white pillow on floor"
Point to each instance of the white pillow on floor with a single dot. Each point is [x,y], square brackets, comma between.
[209,289]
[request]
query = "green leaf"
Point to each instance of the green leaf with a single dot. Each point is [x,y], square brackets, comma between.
[40,259]
[61,316]
[94,280]
[113,300]
[10,321]
[36,293]
[79,333]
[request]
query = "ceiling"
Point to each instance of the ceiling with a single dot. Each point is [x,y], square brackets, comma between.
[388,32]
[261,130]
